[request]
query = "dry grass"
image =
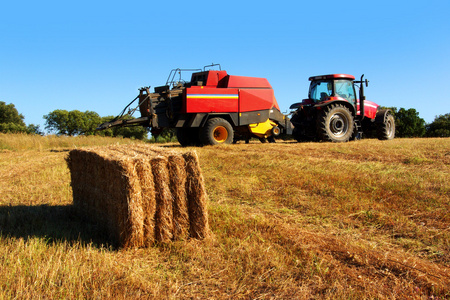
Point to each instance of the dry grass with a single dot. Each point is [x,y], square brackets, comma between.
[21,142]
[361,220]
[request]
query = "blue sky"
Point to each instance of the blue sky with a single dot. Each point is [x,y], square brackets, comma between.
[94,55]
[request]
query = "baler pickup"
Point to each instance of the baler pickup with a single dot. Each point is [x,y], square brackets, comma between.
[126,119]
[123,122]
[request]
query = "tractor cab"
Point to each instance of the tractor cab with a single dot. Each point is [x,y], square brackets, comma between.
[332,87]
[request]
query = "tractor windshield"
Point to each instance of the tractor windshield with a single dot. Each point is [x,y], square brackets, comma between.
[344,89]
[320,90]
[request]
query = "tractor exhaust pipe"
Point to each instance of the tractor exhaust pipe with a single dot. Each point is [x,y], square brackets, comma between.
[362,97]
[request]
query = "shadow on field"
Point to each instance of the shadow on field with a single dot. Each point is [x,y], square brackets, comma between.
[52,223]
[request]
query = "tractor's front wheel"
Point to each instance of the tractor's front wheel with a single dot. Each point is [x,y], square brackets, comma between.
[335,124]
[386,130]
[217,131]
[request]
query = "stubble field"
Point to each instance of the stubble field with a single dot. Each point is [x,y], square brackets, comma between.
[361,220]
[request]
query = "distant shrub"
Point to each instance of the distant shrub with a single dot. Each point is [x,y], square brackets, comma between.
[440,127]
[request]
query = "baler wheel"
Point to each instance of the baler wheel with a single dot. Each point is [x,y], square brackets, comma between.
[217,131]
[386,130]
[335,124]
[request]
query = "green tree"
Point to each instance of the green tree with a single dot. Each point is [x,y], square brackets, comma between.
[10,119]
[72,122]
[76,122]
[83,123]
[57,121]
[34,129]
[12,128]
[12,122]
[9,114]
[408,123]
[440,127]
[91,121]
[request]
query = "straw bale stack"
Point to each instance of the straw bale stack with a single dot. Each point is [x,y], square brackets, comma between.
[141,194]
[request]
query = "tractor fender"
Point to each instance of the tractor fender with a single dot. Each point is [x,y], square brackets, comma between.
[344,103]
[382,115]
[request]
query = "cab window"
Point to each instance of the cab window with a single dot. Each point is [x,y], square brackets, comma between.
[344,89]
[320,90]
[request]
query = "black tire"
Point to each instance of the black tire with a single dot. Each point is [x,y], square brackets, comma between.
[216,131]
[335,124]
[296,135]
[386,129]
[188,136]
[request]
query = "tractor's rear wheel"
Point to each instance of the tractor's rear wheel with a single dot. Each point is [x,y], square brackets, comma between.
[335,124]
[188,136]
[216,131]
[386,130]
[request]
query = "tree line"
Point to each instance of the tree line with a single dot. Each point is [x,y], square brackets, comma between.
[75,122]
[12,121]
[63,122]
[408,123]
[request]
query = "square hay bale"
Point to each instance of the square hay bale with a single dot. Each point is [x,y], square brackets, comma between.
[178,179]
[141,194]
[106,188]
[196,193]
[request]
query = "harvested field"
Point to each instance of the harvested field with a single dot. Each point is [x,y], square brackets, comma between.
[361,220]
[140,194]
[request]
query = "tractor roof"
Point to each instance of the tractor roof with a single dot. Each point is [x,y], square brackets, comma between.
[332,76]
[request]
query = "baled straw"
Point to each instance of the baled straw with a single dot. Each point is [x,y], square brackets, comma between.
[177,175]
[197,197]
[140,193]
[106,189]
[164,212]
[123,200]
[145,174]
[133,230]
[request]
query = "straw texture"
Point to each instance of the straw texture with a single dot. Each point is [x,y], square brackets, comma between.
[141,194]
[196,193]
[177,177]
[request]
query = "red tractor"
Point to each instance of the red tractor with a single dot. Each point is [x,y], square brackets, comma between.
[212,108]
[333,113]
